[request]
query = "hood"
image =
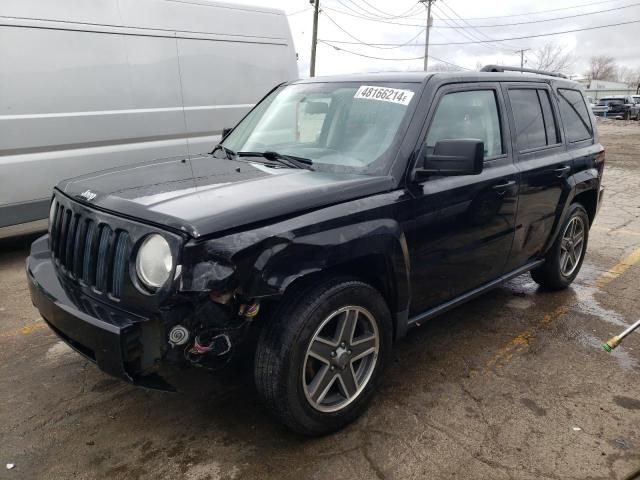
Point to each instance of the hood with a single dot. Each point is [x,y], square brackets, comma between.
[204,195]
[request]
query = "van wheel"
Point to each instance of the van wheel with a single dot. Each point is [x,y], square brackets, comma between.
[321,356]
[564,260]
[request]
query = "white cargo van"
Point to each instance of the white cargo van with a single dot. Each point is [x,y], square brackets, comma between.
[87,85]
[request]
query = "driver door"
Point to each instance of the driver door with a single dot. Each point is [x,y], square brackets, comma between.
[467,243]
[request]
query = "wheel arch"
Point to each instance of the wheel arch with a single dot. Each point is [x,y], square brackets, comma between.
[386,269]
[589,200]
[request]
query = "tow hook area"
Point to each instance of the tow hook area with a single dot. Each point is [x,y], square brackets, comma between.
[208,337]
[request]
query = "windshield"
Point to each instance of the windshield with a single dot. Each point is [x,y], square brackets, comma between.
[341,127]
[612,101]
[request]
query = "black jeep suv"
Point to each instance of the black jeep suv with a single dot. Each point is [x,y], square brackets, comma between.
[337,214]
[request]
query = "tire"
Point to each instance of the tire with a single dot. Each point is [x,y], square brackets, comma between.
[554,274]
[285,364]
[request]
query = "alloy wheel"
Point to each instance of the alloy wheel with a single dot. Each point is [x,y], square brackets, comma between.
[340,359]
[572,246]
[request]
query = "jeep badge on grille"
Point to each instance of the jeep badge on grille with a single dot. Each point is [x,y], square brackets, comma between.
[88,195]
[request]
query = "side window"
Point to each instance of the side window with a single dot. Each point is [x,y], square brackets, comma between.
[528,118]
[470,114]
[575,116]
[548,117]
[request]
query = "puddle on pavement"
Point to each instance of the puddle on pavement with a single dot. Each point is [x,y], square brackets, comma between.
[621,355]
[583,290]
[582,301]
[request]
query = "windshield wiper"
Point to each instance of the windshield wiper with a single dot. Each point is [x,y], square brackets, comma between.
[230,154]
[288,160]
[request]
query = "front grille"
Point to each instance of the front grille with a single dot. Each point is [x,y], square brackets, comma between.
[90,251]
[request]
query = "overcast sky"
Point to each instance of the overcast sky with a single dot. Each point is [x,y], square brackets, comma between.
[620,42]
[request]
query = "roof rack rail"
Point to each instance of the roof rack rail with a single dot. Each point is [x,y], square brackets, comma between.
[502,68]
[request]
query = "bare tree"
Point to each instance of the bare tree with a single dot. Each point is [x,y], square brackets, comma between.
[630,76]
[552,57]
[602,67]
[444,67]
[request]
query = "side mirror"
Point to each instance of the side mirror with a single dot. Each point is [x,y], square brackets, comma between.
[225,132]
[451,157]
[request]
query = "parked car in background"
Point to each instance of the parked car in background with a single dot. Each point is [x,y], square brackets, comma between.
[636,98]
[87,86]
[336,215]
[623,107]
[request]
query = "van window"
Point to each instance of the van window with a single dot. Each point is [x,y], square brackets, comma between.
[577,124]
[528,118]
[470,114]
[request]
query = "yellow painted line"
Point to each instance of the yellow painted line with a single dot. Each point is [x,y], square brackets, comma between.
[38,325]
[618,269]
[522,340]
[610,231]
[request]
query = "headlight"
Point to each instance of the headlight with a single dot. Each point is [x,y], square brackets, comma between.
[154,262]
[52,213]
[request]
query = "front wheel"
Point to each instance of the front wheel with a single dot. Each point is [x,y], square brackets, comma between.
[564,259]
[319,359]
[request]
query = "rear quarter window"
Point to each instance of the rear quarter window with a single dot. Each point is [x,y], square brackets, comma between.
[575,116]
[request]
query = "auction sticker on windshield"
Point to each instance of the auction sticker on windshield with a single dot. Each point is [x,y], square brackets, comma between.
[384,94]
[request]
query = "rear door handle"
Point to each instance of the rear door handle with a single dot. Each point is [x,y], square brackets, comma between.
[501,188]
[560,172]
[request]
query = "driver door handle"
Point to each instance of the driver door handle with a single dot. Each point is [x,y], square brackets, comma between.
[501,188]
[560,172]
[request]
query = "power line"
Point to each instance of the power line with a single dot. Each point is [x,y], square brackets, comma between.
[368,14]
[464,32]
[550,34]
[307,9]
[359,41]
[552,19]
[362,16]
[538,12]
[389,15]
[362,42]
[371,19]
[340,49]
[480,34]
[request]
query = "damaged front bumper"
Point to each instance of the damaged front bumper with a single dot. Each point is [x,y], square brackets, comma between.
[122,344]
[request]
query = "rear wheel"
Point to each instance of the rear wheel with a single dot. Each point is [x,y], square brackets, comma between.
[565,257]
[320,357]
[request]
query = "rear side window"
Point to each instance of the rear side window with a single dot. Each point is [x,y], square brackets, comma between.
[469,114]
[575,116]
[533,116]
[548,117]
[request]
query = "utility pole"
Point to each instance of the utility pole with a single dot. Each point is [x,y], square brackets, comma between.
[314,40]
[427,4]
[521,52]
